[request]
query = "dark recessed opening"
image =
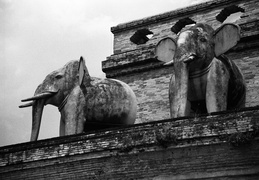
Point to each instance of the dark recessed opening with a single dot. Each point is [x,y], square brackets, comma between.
[181,24]
[223,15]
[141,36]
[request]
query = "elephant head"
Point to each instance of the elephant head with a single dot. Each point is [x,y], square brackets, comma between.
[198,45]
[70,89]
[53,90]
[201,69]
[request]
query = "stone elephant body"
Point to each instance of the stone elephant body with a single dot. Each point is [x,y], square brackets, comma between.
[198,90]
[85,103]
[105,102]
[204,80]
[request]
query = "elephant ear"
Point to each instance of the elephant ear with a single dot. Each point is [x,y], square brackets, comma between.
[165,50]
[83,72]
[226,37]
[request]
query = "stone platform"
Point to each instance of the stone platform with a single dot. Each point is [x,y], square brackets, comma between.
[222,145]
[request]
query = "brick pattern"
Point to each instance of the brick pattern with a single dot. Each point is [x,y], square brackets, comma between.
[161,24]
[198,8]
[128,58]
[129,61]
[248,62]
[207,162]
[179,149]
[151,89]
[223,145]
[137,64]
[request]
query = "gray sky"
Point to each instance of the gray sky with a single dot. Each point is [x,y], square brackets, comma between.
[39,36]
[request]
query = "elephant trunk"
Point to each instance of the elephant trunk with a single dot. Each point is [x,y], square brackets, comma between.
[38,102]
[37,110]
[178,91]
[181,82]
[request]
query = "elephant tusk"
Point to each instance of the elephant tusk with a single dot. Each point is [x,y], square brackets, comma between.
[190,58]
[26,105]
[169,63]
[39,96]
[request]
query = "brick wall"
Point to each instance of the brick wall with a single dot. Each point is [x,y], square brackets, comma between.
[160,24]
[224,145]
[137,64]
[248,61]
[219,146]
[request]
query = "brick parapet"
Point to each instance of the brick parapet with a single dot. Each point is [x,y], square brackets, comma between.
[162,28]
[137,64]
[182,12]
[129,54]
[79,155]
[221,145]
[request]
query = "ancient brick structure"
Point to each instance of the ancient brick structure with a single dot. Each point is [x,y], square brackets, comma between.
[137,65]
[219,146]
[222,145]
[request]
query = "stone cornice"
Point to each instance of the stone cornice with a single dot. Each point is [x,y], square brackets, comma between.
[171,14]
[206,129]
[145,55]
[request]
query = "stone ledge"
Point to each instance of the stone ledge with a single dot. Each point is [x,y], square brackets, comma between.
[129,57]
[237,128]
[133,61]
[220,145]
[171,14]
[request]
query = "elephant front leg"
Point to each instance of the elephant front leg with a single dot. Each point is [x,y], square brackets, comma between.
[178,91]
[217,87]
[62,127]
[73,113]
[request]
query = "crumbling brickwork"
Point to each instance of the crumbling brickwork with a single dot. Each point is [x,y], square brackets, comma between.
[223,145]
[248,61]
[205,147]
[137,64]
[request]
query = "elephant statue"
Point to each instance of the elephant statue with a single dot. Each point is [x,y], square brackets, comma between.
[85,103]
[204,79]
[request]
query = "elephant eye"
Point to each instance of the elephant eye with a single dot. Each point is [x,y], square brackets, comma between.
[58,76]
[202,39]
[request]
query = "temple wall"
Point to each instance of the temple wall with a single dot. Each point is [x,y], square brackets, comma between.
[219,146]
[222,145]
[138,66]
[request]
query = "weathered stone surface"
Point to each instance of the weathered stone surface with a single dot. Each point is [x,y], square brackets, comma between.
[84,103]
[137,64]
[213,146]
[218,146]
[204,80]
[161,24]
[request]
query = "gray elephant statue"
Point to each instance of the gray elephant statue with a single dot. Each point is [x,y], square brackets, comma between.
[85,103]
[204,80]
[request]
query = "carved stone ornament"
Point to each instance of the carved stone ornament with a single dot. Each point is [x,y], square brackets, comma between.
[85,103]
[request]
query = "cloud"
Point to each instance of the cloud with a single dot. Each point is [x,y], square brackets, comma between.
[193,2]
[40,36]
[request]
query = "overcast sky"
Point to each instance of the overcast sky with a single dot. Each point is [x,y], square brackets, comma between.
[39,36]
